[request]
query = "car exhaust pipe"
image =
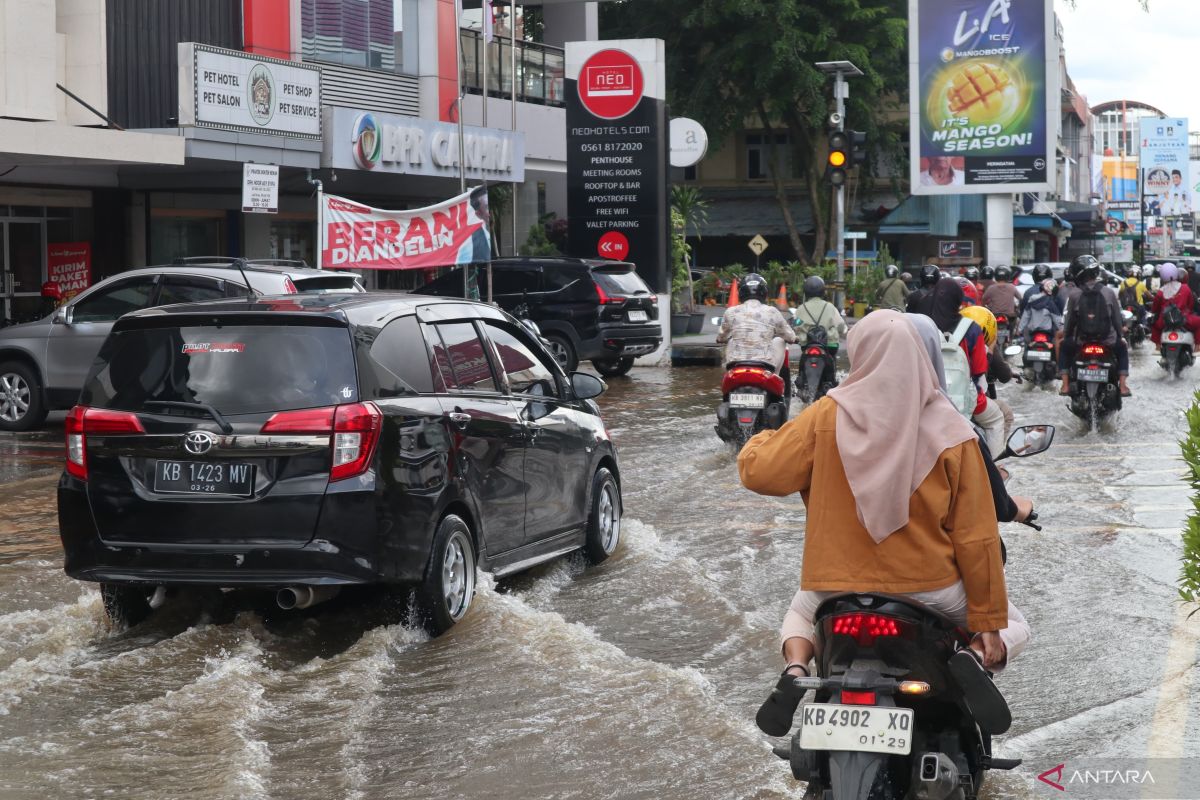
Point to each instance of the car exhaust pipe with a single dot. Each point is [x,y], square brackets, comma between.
[292,597]
[938,777]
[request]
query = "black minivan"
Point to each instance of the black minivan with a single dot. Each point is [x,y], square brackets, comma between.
[586,309]
[304,443]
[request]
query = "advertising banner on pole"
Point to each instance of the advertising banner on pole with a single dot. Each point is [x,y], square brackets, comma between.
[1166,172]
[983,96]
[356,236]
[69,264]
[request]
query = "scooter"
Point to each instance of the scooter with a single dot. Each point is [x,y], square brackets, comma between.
[753,398]
[1135,331]
[1037,359]
[888,718]
[1178,343]
[1004,331]
[1094,392]
[811,385]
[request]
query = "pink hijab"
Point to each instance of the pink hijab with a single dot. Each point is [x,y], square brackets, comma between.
[893,422]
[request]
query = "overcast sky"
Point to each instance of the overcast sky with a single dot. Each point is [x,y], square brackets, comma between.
[1116,51]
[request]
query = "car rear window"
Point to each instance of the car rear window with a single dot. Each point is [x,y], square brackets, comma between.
[325,285]
[625,283]
[238,369]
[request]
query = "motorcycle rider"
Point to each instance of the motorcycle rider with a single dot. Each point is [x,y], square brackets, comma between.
[930,275]
[1085,275]
[1040,274]
[892,293]
[871,461]
[1040,312]
[972,274]
[987,276]
[816,311]
[1173,292]
[1002,297]
[754,330]
[1132,294]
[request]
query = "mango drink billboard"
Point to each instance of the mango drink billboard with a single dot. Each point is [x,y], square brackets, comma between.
[983,96]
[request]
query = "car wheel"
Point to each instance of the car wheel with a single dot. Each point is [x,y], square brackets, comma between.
[612,367]
[449,586]
[604,522]
[563,351]
[125,605]
[22,406]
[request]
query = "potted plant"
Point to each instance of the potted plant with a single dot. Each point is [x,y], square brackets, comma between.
[681,278]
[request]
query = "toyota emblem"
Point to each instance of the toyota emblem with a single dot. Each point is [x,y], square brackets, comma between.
[199,442]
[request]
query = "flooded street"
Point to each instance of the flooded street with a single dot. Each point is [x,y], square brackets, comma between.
[635,679]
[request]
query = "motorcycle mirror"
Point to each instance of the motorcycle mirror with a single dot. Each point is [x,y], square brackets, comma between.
[1029,440]
[1013,350]
[587,386]
[717,321]
[1127,314]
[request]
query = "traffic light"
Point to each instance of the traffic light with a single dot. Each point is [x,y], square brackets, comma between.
[858,147]
[835,169]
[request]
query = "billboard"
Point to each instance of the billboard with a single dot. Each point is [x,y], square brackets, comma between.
[983,96]
[617,148]
[1166,173]
[69,264]
[357,236]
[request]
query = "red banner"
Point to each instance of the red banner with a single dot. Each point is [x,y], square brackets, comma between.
[70,266]
[361,237]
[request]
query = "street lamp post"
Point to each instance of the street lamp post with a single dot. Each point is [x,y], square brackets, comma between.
[840,70]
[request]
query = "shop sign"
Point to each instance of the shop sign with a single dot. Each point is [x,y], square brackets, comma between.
[956,249]
[689,142]
[391,143]
[237,91]
[617,154]
[983,96]
[260,188]
[69,264]
[357,236]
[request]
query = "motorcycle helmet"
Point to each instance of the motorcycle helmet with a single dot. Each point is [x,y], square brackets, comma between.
[892,271]
[986,320]
[1148,271]
[904,276]
[1042,272]
[1168,272]
[1086,268]
[972,274]
[814,286]
[930,275]
[752,286]
[943,274]
[988,273]
[1004,274]
[970,291]
[1048,286]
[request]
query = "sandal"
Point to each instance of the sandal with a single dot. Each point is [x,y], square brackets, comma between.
[984,700]
[774,717]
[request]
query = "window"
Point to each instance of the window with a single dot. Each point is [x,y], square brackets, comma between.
[360,33]
[461,358]
[758,156]
[690,173]
[401,360]
[113,301]
[555,280]
[526,372]
[188,289]
[509,280]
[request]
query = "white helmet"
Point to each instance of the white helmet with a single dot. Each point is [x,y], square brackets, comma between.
[1148,271]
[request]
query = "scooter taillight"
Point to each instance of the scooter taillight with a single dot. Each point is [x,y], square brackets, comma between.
[866,628]
[752,376]
[1041,337]
[1001,319]
[1093,350]
[814,351]
[1173,337]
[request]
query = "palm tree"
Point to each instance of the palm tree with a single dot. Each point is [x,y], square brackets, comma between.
[693,210]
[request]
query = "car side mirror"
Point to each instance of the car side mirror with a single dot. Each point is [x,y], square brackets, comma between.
[532,327]
[64,316]
[1029,440]
[587,386]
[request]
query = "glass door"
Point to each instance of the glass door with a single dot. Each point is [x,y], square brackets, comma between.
[23,260]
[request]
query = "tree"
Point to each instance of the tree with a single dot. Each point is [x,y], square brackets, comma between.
[732,61]
[692,213]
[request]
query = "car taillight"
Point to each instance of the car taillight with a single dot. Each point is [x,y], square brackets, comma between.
[1174,337]
[603,297]
[1093,350]
[858,698]
[814,351]
[289,287]
[866,628]
[353,430]
[654,299]
[1041,337]
[81,421]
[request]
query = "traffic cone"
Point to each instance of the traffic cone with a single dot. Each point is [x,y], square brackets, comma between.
[782,300]
[733,294]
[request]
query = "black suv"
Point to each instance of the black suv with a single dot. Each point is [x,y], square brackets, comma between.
[302,443]
[594,310]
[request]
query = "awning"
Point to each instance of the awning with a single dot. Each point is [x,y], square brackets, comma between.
[1038,222]
[53,144]
[940,215]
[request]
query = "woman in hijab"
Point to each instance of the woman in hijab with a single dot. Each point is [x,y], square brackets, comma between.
[898,501]
[1172,292]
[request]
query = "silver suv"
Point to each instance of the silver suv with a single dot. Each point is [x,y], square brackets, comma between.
[43,364]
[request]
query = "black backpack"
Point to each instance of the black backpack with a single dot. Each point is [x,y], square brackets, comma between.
[1093,314]
[1172,318]
[1128,295]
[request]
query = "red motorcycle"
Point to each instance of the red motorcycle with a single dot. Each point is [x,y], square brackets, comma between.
[753,398]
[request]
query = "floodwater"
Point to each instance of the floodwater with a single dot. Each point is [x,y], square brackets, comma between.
[635,679]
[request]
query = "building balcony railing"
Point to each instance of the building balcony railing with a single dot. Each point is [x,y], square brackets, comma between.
[540,69]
